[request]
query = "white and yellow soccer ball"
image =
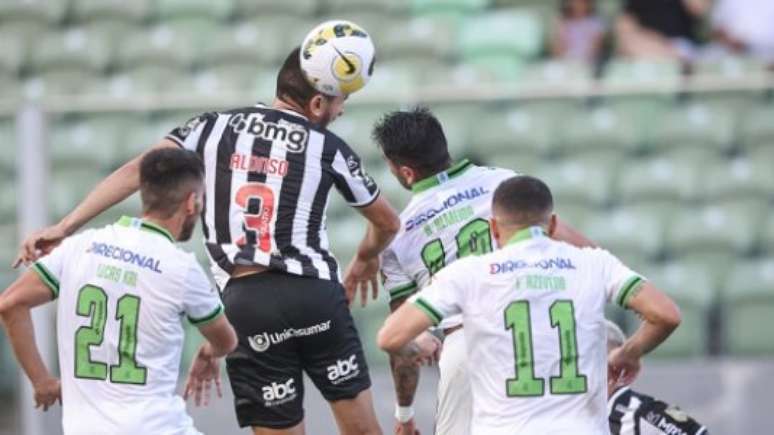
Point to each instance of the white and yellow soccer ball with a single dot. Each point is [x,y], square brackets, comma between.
[337,57]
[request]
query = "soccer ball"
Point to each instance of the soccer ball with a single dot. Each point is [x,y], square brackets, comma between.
[337,57]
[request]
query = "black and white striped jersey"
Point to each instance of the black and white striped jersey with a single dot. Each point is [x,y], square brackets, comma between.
[633,413]
[268,175]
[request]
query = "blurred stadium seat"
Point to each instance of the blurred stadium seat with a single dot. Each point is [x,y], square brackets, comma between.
[747,306]
[694,291]
[667,177]
[517,33]
[697,125]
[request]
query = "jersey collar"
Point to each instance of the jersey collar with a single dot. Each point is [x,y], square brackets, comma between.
[127,221]
[532,232]
[441,177]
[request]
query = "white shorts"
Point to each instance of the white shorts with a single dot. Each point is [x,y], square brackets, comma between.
[455,401]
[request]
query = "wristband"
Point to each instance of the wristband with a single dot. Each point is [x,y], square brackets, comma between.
[404,414]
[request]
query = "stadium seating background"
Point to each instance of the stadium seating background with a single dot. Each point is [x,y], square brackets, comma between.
[678,183]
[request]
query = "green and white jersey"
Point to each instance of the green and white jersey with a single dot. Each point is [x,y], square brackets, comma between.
[446,219]
[535,332]
[123,291]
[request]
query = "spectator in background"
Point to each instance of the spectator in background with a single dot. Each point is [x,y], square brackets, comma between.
[578,34]
[744,27]
[665,29]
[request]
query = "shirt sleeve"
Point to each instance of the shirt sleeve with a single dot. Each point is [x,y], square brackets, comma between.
[351,179]
[621,283]
[394,279]
[188,135]
[50,269]
[444,296]
[201,302]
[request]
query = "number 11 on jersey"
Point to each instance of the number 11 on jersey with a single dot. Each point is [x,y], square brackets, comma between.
[525,384]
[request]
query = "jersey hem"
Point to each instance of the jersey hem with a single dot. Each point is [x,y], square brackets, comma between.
[175,140]
[370,201]
[48,278]
[428,309]
[402,291]
[628,290]
[208,318]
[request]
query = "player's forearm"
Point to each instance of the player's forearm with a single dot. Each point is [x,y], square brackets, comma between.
[376,240]
[21,334]
[110,191]
[405,376]
[648,337]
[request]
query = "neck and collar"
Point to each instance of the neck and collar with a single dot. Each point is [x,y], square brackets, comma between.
[524,234]
[450,172]
[163,227]
[289,107]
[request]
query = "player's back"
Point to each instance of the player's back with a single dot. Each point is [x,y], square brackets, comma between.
[534,323]
[119,324]
[447,218]
[269,173]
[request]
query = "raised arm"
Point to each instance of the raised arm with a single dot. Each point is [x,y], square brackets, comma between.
[383,224]
[123,182]
[16,303]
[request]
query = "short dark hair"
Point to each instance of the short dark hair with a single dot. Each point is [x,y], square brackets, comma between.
[524,200]
[292,83]
[413,138]
[167,176]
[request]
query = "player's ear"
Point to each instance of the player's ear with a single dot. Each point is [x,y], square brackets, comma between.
[316,107]
[192,203]
[552,224]
[408,174]
[495,229]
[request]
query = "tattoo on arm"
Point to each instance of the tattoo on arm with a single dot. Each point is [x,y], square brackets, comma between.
[405,375]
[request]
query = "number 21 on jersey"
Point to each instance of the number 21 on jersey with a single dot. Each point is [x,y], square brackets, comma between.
[93,303]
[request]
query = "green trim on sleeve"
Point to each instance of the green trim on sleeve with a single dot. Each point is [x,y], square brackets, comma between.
[402,291]
[629,289]
[208,318]
[431,312]
[47,277]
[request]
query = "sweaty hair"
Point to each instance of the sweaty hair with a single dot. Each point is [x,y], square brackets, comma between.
[167,177]
[413,138]
[524,200]
[291,82]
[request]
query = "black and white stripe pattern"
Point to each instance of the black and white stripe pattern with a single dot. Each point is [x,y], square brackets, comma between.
[299,242]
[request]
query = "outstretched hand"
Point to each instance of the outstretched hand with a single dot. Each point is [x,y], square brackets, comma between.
[204,372]
[359,275]
[38,244]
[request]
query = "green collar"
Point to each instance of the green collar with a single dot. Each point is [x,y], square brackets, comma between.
[441,177]
[150,227]
[526,234]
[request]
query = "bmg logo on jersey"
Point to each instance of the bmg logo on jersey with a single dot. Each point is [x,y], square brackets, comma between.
[343,370]
[279,392]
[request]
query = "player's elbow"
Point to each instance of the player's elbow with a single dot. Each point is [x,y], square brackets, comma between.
[671,318]
[228,343]
[388,341]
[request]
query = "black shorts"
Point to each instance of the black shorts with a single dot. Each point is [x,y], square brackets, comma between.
[287,325]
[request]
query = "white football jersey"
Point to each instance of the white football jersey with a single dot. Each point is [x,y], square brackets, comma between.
[446,219]
[123,291]
[535,331]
